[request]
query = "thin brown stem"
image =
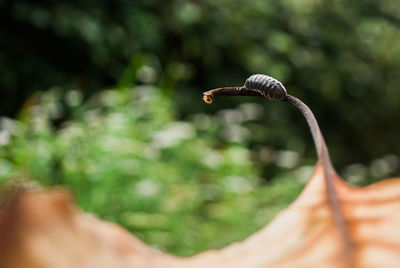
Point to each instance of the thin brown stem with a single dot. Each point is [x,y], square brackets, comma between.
[325,160]
[319,141]
[211,95]
[320,146]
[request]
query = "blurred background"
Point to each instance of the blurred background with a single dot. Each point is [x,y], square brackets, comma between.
[105,97]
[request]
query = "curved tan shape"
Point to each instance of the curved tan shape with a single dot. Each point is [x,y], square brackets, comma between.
[44,229]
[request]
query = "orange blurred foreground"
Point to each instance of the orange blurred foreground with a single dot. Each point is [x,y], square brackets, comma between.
[44,229]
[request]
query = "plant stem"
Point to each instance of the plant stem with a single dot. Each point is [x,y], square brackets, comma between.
[319,141]
[211,95]
[320,146]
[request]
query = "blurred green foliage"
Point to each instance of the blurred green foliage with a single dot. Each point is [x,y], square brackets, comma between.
[128,161]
